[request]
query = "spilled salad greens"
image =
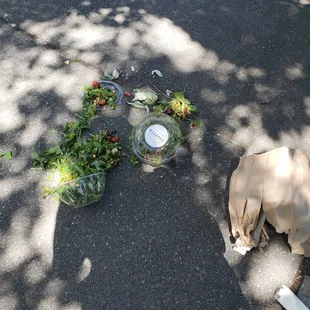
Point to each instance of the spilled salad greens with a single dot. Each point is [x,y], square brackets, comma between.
[74,157]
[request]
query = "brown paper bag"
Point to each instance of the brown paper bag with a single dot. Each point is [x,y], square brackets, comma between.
[273,186]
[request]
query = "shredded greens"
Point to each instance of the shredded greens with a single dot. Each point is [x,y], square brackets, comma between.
[74,157]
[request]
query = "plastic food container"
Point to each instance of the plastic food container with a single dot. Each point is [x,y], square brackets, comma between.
[156,139]
[83,191]
[114,86]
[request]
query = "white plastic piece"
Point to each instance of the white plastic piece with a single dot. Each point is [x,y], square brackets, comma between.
[242,249]
[157,72]
[288,299]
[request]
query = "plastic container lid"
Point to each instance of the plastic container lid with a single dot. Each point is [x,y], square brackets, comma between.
[156,139]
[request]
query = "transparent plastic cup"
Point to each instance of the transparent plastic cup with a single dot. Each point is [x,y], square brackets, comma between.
[82,191]
[114,86]
[156,139]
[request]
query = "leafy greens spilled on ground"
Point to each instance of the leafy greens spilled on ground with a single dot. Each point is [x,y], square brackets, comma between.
[99,153]
[178,107]
[8,155]
[74,157]
[99,95]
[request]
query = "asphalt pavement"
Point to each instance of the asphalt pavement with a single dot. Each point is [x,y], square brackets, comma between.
[159,239]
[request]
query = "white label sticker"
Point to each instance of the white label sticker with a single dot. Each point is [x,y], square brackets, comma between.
[156,136]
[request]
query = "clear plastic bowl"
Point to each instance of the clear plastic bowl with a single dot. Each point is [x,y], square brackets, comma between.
[116,87]
[156,139]
[83,191]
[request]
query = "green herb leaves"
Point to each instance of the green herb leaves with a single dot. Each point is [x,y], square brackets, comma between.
[99,95]
[75,157]
[8,155]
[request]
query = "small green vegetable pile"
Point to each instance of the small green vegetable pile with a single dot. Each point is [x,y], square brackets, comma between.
[8,155]
[99,153]
[73,157]
[99,95]
[178,107]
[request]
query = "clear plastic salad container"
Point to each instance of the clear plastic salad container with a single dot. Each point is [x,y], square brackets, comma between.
[83,191]
[113,86]
[156,139]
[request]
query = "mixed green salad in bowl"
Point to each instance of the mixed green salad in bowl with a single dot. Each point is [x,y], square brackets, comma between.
[82,191]
[77,163]
[156,138]
[77,174]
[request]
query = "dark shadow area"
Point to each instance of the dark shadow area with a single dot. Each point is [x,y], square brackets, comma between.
[148,247]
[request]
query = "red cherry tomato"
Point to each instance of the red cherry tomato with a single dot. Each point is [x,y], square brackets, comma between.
[96,84]
[115,139]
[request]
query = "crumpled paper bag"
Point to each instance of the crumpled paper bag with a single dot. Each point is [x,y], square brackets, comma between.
[273,186]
